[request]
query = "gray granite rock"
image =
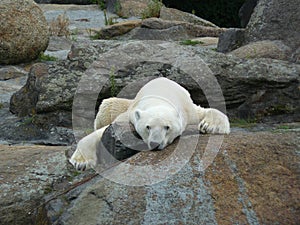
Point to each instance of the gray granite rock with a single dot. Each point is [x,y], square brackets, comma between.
[268,86]
[275,20]
[230,40]
[27,174]
[177,15]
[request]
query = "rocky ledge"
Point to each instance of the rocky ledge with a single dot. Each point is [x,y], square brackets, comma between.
[253,89]
[252,180]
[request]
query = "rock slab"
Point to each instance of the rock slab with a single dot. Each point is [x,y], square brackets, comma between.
[177,15]
[24,31]
[252,180]
[27,173]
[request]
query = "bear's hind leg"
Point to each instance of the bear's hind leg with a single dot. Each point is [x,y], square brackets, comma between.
[109,110]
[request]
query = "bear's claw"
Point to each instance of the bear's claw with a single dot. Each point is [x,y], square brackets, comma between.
[221,128]
[81,166]
[80,162]
[203,127]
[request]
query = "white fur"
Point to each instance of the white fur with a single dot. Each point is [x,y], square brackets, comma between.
[160,112]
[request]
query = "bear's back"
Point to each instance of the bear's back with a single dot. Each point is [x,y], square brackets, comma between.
[169,90]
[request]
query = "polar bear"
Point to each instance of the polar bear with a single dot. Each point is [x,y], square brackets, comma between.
[160,112]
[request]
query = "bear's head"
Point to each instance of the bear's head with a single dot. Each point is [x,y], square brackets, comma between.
[157,127]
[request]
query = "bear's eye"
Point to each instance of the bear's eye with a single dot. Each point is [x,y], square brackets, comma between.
[148,127]
[166,128]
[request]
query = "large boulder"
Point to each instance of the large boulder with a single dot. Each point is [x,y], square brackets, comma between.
[263,49]
[252,88]
[127,8]
[275,20]
[24,31]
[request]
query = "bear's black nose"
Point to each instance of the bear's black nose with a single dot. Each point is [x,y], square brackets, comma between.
[153,145]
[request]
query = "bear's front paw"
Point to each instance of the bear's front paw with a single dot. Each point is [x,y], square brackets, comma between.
[80,162]
[214,122]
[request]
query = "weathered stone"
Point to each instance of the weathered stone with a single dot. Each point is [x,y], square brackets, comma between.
[117,29]
[59,43]
[275,20]
[296,56]
[11,72]
[237,187]
[263,49]
[158,29]
[27,174]
[230,40]
[177,15]
[127,8]
[24,31]
[24,101]
[79,2]
[173,33]
[265,86]
[119,142]
[9,87]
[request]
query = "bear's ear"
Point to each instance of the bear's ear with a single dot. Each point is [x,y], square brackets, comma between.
[137,114]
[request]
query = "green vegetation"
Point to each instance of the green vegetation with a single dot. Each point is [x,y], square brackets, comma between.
[100,3]
[242,123]
[75,173]
[112,79]
[43,57]
[284,127]
[152,10]
[74,34]
[280,109]
[118,7]
[48,189]
[1,105]
[28,120]
[105,17]
[110,20]
[190,42]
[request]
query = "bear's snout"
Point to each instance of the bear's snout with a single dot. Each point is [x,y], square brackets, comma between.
[152,145]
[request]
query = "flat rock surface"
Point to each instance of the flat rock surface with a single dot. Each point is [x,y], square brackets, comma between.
[254,179]
[27,173]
